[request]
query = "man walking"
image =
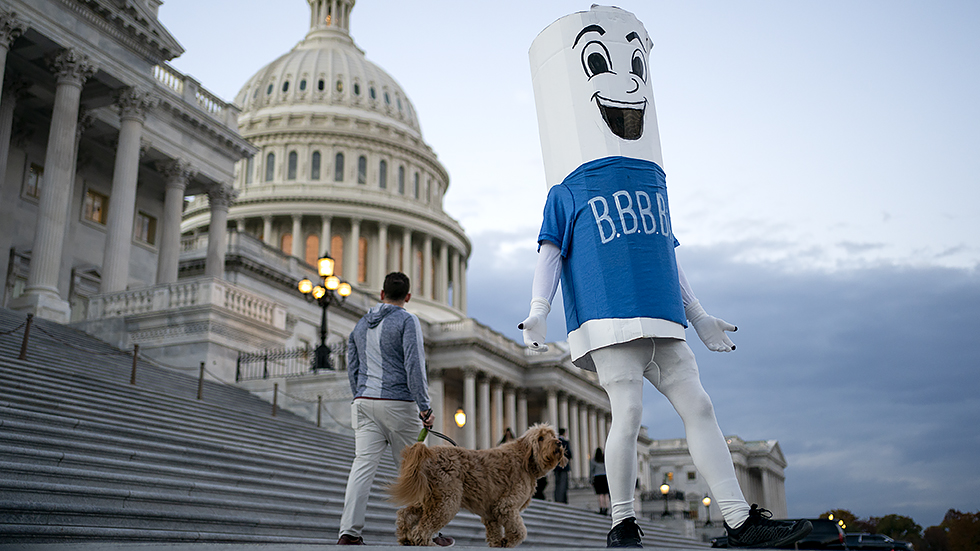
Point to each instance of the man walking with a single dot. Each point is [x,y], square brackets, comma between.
[386,368]
[561,473]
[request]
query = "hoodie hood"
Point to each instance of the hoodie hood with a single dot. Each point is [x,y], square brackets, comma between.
[379,312]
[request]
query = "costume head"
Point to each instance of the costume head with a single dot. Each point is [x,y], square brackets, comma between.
[592,90]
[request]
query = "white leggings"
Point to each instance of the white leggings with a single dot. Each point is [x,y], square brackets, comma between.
[670,365]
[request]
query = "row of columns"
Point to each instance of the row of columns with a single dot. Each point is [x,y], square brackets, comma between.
[72,69]
[451,267]
[492,404]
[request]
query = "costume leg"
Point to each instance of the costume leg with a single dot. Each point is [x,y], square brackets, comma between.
[369,445]
[620,368]
[675,374]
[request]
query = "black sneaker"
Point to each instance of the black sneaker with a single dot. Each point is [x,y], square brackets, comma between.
[759,530]
[625,534]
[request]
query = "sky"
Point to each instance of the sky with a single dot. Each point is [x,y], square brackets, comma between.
[822,164]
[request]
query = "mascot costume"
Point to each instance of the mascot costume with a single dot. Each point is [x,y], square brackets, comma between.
[607,237]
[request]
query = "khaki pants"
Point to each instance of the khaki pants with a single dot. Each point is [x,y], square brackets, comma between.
[377,424]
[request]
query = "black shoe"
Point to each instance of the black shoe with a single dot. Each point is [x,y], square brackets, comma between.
[347,539]
[625,534]
[759,530]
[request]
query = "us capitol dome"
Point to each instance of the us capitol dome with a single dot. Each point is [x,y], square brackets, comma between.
[342,168]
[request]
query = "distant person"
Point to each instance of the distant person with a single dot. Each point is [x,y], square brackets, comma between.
[539,489]
[507,437]
[597,476]
[561,473]
[386,369]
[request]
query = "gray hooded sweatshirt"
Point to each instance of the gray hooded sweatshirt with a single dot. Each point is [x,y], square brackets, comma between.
[386,357]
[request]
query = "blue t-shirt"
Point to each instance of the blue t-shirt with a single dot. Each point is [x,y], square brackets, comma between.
[611,222]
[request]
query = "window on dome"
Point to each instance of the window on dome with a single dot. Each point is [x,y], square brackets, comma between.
[387,99]
[255,94]
[337,252]
[372,93]
[401,180]
[270,166]
[340,85]
[291,165]
[416,191]
[357,89]
[268,91]
[362,170]
[286,243]
[285,86]
[312,249]
[399,100]
[315,166]
[362,260]
[338,168]
[383,174]
[302,85]
[320,85]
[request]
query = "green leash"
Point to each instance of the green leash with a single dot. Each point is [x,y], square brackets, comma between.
[425,432]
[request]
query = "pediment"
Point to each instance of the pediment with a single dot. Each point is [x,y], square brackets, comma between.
[134,20]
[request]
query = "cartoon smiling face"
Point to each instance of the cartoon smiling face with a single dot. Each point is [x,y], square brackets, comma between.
[618,72]
[592,90]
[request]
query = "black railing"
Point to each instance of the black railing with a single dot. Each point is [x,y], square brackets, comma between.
[285,362]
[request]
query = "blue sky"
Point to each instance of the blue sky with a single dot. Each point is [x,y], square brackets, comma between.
[822,164]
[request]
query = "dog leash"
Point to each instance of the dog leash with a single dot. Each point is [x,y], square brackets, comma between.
[425,432]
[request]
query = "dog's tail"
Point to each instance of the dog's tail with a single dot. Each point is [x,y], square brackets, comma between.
[412,485]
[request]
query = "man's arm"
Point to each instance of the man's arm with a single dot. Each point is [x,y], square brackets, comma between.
[353,363]
[413,350]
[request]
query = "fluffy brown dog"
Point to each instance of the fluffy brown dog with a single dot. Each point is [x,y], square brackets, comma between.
[497,484]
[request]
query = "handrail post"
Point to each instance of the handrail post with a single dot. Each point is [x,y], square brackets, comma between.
[136,355]
[275,398]
[27,333]
[200,383]
[319,408]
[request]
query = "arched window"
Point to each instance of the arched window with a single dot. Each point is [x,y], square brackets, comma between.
[291,166]
[362,263]
[401,180]
[416,187]
[362,170]
[270,167]
[383,174]
[286,243]
[312,249]
[315,166]
[285,86]
[337,252]
[338,168]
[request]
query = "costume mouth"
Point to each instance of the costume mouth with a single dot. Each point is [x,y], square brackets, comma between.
[624,118]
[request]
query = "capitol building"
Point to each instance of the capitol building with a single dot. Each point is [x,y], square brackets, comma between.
[141,208]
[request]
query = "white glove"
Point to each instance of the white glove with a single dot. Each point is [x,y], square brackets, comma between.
[710,329]
[535,327]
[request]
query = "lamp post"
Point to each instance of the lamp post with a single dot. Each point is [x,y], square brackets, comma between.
[665,489]
[707,510]
[332,289]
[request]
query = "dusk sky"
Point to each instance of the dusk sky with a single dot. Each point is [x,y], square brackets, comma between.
[822,161]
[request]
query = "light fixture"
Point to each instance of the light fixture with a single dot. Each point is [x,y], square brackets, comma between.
[324,266]
[344,289]
[318,292]
[460,418]
[706,501]
[332,282]
[664,489]
[305,286]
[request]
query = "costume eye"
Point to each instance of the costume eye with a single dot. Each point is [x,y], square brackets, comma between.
[595,59]
[639,65]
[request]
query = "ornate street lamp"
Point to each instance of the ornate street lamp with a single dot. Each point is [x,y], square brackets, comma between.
[665,489]
[332,289]
[707,510]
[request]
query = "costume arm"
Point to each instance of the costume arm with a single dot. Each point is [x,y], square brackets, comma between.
[711,330]
[545,283]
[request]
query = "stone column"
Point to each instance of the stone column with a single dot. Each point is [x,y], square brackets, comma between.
[457,292]
[178,174]
[11,27]
[325,234]
[437,398]
[483,413]
[594,430]
[497,391]
[469,407]
[562,412]
[462,286]
[602,429]
[521,412]
[132,104]
[220,198]
[382,269]
[42,296]
[578,456]
[298,245]
[240,225]
[426,271]
[510,409]
[352,262]
[442,295]
[267,230]
[583,429]
[13,90]
[553,407]
[407,255]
